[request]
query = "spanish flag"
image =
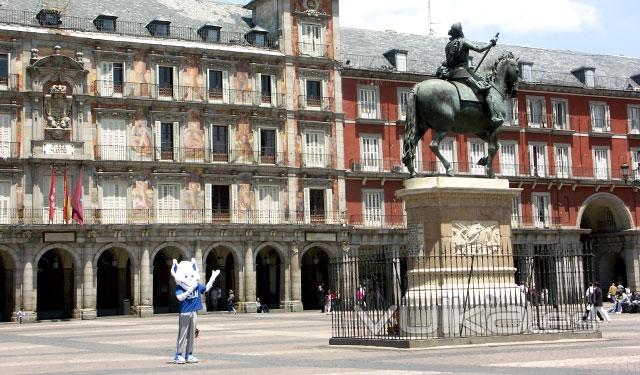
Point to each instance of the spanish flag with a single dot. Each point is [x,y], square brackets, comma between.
[67,200]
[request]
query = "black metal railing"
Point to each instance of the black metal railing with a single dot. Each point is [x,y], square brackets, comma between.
[460,291]
[138,29]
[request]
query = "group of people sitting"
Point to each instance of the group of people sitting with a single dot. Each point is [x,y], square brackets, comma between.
[624,301]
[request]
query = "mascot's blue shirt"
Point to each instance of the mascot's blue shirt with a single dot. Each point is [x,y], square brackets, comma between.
[194,301]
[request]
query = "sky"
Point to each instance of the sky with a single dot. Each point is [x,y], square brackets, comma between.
[594,26]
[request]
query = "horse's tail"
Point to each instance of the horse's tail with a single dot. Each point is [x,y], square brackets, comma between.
[410,127]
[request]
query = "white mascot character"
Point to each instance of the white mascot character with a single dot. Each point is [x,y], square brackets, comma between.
[189,293]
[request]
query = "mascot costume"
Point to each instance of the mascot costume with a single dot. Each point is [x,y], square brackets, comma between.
[189,293]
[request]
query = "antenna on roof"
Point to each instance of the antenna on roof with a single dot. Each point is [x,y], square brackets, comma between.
[430,23]
[57,5]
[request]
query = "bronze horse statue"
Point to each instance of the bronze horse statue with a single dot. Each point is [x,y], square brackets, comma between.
[435,104]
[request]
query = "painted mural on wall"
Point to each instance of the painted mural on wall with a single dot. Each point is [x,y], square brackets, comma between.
[194,139]
[142,196]
[193,196]
[141,140]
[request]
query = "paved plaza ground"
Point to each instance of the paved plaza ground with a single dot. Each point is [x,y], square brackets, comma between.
[291,343]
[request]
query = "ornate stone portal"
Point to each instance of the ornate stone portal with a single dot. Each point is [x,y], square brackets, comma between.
[461,246]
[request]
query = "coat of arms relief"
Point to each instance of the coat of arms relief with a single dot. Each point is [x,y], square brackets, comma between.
[57,105]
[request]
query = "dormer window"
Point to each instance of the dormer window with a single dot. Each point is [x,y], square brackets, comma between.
[257,36]
[526,71]
[159,28]
[210,33]
[49,17]
[397,58]
[105,23]
[587,76]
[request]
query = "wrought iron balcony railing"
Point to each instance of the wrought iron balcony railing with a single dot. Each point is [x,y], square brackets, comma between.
[137,29]
[9,150]
[378,219]
[315,103]
[545,222]
[312,49]
[9,82]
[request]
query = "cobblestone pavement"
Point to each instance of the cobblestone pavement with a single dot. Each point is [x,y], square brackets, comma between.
[294,343]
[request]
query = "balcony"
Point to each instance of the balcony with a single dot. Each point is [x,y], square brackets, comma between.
[312,49]
[378,220]
[9,82]
[135,29]
[316,160]
[137,90]
[315,103]
[529,222]
[40,216]
[559,172]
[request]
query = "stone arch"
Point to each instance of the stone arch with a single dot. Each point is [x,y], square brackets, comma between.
[329,249]
[612,268]
[12,255]
[237,253]
[183,249]
[621,214]
[9,279]
[74,254]
[115,245]
[280,249]
[57,290]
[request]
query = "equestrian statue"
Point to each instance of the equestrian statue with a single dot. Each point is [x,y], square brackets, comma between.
[460,101]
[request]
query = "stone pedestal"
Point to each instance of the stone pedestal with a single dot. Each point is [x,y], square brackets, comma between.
[88,314]
[460,235]
[143,311]
[291,306]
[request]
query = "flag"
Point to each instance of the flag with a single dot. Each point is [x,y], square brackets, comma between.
[52,195]
[66,213]
[76,202]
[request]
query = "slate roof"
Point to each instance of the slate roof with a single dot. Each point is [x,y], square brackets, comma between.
[188,13]
[364,49]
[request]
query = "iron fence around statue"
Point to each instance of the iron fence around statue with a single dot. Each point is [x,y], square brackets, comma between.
[468,291]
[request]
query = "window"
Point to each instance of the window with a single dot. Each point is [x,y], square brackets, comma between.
[165,81]
[563,161]
[315,206]
[508,159]
[166,140]
[219,143]
[47,17]
[111,79]
[268,204]
[260,39]
[476,152]
[536,113]
[215,84]
[267,146]
[511,112]
[526,72]
[371,153]
[314,150]
[373,208]
[4,71]
[368,102]
[589,78]
[516,215]
[311,40]
[538,159]
[159,28]
[314,93]
[601,163]
[635,164]
[267,89]
[560,114]
[210,33]
[417,161]
[5,202]
[168,203]
[633,115]
[5,135]
[113,139]
[448,150]
[114,202]
[58,217]
[403,101]
[401,62]
[105,24]
[220,203]
[599,117]
[540,206]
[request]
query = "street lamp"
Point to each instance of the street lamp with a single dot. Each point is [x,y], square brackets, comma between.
[624,168]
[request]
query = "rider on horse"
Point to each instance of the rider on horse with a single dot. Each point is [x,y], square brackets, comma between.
[456,68]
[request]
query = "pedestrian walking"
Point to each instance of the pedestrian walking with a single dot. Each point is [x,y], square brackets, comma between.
[596,303]
[20,315]
[321,297]
[231,302]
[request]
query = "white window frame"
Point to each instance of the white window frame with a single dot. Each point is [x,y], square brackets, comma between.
[9,84]
[506,167]
[546,222]
[176,140]
[230,137]
[114,215]
[526,70]
[453,160]
[109,150]
[534,170]
[536,100]
[606,126]
[164,215]
[265,215]
[635,159]
[369,164]
[6,134]
[564,171]
[589,78]
[516,211]
[403,92]
[634,126]
[313,159]
[369,110]
[176,83]
[417,161]
[312,46]
[274,90]
[511,108]
[474,168]
[225,86]
[598,173]
[257,138]
[6,204]
[105,74]
[401,61]
[373,219]
[565,103]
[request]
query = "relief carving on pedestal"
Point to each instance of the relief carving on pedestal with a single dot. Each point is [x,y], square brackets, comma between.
[468,233]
